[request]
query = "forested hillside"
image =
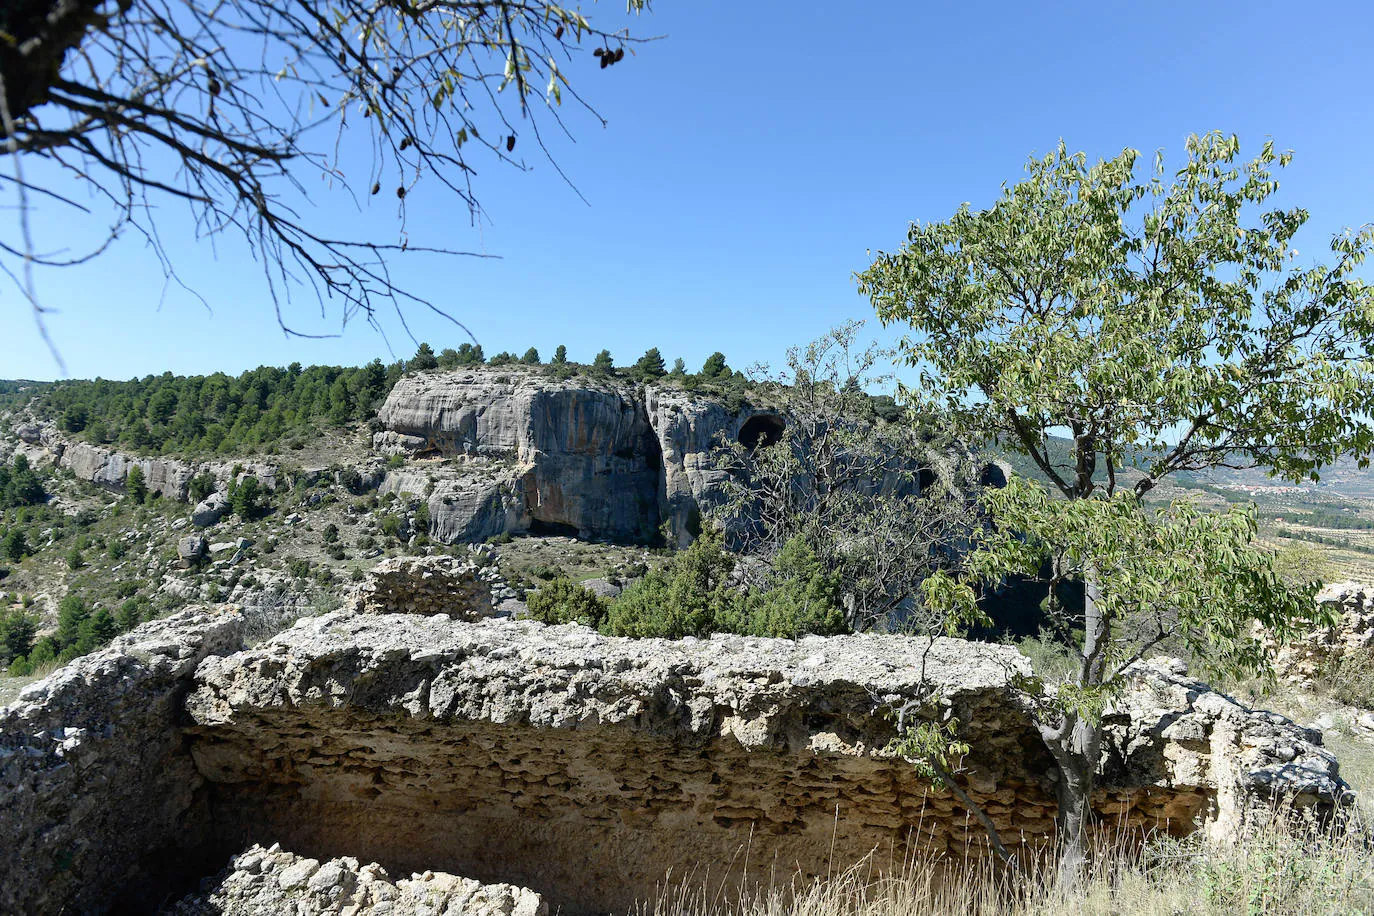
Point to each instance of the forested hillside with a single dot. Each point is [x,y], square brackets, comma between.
[208,414]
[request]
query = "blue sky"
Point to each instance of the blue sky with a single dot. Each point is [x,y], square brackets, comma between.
[753,158]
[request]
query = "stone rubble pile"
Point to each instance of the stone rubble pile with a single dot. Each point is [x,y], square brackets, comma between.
[272,882]
[464,588]
[1300,662]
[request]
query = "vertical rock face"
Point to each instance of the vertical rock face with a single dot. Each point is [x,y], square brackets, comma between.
[98,794]
[689,431]
[596,460]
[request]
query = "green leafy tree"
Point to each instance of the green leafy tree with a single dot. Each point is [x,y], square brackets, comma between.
[424,358]
[714,367]
[17,631]
[14,545]
[603,363]
[504,358]
[448,358]
[471,355]
[135,485]
[1151,320]
[679,368]
[129,615]
[531,357]
[75,560]
[650,366]
[72,613]
[200,486]
[560,356]
[247,499]
[97,630]
[20,485]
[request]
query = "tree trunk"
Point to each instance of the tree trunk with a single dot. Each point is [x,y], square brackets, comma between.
[1076,743]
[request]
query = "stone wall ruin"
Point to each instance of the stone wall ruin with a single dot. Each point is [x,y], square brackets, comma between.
[579,766]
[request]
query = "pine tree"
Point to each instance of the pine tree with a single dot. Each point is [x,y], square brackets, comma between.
[424,358]
[531,357]
[134,484]
[560,356]
[603,362]
[714,367]
[650,365]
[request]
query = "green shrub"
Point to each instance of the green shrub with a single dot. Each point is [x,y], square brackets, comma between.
[14,545]
[564,601]
[247,500]
[688,597]
[691,596]
[391,526]
[800,597]
[298,567]
[201,486]
[547,572]
[330,534]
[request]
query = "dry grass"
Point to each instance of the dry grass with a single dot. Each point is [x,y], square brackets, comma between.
[1274,871]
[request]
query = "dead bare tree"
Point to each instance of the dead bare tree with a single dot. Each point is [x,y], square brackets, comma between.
[226,106]
[881,503]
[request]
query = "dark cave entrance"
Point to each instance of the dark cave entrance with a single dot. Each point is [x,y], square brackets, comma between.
[541,528]
[762,430]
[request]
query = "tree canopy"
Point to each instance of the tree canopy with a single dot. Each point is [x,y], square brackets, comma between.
[1161,324]
[1143,317]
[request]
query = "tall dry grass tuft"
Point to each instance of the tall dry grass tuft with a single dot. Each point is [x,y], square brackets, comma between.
[1274,870]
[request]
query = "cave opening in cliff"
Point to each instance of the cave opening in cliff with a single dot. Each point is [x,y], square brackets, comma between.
[992,476]
[925,479]
[761,431]
[543,529]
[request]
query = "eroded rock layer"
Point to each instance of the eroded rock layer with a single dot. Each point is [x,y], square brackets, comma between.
[574,456]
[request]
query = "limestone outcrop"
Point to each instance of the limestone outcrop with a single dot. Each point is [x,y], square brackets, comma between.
[168,477]
[1301,661]
[98,795]
[272,882]
[576,456]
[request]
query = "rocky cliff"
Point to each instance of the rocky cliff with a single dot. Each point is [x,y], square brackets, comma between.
[495,749]
[529,452]
[166,476]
